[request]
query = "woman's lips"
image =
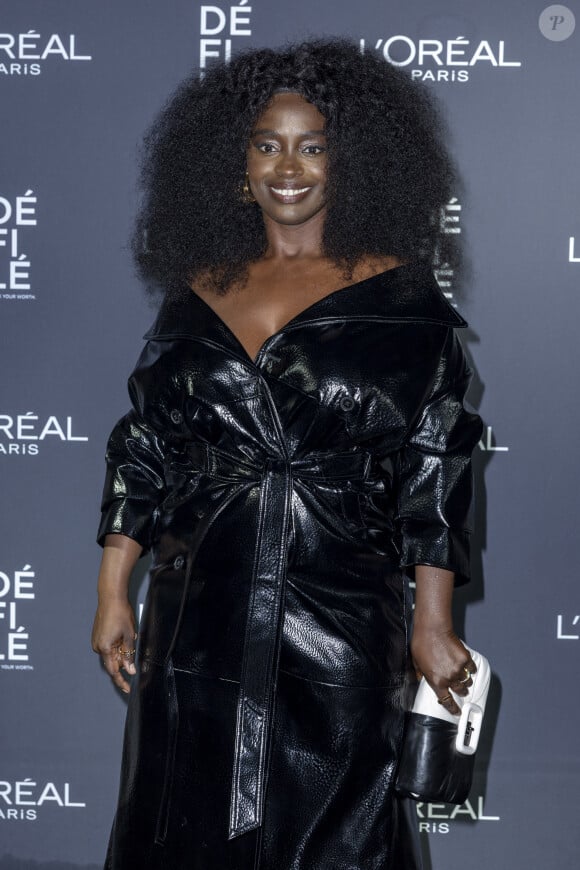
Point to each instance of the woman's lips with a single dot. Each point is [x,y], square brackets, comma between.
[289,194]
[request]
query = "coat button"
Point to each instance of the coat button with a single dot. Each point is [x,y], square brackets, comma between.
[179,563]
[346,403]
[176,416]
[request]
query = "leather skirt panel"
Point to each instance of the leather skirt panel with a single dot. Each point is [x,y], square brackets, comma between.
[329,801]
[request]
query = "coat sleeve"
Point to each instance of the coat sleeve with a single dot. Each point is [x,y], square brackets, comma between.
[434,474]
[134,483]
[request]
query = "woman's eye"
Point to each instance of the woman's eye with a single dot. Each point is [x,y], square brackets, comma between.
[272,148]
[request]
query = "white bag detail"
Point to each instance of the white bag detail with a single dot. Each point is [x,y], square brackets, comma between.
[472,705]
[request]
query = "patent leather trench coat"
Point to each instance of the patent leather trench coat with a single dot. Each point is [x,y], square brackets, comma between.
[285,500]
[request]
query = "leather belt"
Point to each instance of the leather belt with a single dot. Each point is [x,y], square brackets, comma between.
[265,608]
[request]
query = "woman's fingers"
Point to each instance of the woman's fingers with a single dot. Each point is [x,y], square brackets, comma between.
[464,682]
[447,666]
[117,659]
[127,653]
[460,688]
[113,662]
[461,680]
[448,702]
[114,640]
[469,668]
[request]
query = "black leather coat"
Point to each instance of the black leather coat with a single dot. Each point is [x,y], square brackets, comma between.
[283,498]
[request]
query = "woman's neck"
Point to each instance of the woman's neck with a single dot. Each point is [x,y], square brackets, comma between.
[294,242]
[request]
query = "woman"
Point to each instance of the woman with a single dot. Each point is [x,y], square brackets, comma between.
[297,448]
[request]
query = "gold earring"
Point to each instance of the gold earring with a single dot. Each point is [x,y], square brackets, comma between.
[247,196]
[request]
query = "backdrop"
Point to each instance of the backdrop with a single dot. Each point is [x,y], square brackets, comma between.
[80,81]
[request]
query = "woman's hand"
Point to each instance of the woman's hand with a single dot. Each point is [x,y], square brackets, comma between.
[442,659]
[114,633]
[114,637]
[437,652]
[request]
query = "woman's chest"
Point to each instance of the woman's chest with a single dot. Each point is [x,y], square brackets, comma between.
[275,294]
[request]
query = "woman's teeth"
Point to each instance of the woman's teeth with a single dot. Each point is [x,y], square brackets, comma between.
[289,193]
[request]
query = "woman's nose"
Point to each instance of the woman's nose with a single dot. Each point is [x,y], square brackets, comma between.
[288,164]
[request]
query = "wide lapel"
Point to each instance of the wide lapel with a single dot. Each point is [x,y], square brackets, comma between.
[408,292]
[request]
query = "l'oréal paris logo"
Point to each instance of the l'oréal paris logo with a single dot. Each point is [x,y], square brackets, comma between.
[27,54]
[438,60]
[24,434]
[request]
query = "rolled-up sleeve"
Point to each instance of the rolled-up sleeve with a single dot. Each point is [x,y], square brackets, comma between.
[134,482]
[434,476]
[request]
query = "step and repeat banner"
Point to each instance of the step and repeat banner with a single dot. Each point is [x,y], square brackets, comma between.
[80,81]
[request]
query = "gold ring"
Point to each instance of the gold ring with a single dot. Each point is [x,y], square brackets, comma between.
[127,653]
[444,699]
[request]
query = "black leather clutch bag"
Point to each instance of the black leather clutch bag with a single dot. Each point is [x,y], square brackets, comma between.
[431,769]
[438,754]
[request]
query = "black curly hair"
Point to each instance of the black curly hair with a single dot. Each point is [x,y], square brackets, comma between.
[389,172]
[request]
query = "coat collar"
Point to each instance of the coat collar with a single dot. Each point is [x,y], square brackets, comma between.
[406,293]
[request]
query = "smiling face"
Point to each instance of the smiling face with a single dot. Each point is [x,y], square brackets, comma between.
[286,160]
